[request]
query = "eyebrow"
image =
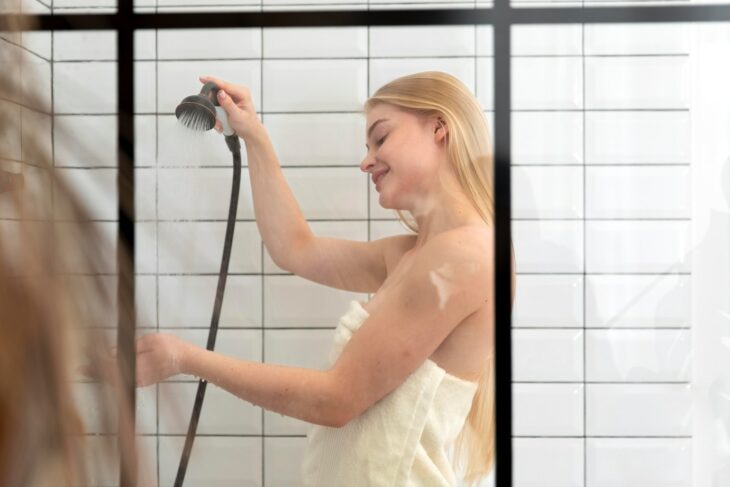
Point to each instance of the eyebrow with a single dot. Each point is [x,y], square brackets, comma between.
[372,127]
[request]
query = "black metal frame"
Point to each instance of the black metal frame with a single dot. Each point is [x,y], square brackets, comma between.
[502,17]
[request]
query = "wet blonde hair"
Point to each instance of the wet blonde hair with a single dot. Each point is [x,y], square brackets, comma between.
[435,93]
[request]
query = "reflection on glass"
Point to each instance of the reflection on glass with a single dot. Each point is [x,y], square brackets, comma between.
[620,208]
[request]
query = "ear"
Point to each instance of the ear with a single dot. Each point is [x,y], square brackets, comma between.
[441,130]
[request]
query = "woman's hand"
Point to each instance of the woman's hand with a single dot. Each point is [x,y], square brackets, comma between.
[237,102]
[159,357]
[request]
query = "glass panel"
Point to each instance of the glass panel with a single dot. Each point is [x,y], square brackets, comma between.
[307,86]
[620,222]
[620,207]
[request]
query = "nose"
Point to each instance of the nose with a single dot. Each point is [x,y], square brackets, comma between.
[367,162]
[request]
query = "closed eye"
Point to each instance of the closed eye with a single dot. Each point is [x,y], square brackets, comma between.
[379,142]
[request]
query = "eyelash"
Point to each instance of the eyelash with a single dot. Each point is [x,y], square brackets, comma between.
[381,140]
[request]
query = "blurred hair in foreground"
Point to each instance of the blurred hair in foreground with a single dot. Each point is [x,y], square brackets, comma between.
[50,321]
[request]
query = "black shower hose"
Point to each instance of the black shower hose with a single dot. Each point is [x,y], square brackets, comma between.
[235,146]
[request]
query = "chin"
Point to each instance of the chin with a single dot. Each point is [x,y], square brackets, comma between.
[388,205]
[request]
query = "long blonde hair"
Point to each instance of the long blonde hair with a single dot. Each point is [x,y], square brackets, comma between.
[471,155]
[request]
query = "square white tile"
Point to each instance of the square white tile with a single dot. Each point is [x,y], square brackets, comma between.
[548,245]
[661,300]
[314,85]
[548,300]
[639,410]
[548,462]
[631,82]
[551,137]
[321,42]
[547,355]
[657,246]
[547,192]
[547,409]
[634,462]
[422,41]
[637,137]
[638,192]
[638,355]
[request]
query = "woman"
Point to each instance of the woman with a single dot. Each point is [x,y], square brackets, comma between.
[419,371]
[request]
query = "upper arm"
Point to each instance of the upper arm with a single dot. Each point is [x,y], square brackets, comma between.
[449,280]
[343,264]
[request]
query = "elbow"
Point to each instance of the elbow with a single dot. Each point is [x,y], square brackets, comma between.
[338,413]
[284,266]
[339,407]
[287,258]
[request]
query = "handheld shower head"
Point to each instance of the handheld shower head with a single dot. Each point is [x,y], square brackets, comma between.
[198,112]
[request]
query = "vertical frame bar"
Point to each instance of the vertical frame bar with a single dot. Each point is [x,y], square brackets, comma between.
[126,243]
[501,30]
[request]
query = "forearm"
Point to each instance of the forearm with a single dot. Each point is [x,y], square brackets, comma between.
[306,394]
[278,216]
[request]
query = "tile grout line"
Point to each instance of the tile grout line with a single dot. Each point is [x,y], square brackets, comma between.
[157,223]
[263,273]
[583,138]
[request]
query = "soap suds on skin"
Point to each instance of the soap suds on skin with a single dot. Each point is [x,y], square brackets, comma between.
[443,279]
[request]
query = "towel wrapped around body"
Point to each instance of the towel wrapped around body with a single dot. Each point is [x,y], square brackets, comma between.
[400,441]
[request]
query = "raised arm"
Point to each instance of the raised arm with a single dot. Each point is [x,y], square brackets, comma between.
[279,219]
[278,216]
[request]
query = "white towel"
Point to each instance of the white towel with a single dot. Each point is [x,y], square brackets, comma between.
[401,440]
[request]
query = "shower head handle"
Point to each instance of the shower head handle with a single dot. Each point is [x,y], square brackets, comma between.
[209,91]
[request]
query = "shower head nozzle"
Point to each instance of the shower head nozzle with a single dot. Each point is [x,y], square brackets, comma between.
[198,112]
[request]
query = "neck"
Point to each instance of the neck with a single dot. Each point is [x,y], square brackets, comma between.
[444,216]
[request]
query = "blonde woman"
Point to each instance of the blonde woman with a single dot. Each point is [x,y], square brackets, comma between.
[411,372]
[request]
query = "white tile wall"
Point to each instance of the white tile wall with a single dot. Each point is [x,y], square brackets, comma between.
[603,356]
[600,206]
[638,461]
[548,462]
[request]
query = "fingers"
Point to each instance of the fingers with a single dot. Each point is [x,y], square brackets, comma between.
[227,103]
[237,92]
[224,85]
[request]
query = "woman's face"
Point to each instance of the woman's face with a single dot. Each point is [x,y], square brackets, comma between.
[404,153]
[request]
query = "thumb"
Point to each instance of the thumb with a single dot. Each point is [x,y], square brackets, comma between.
[226,102]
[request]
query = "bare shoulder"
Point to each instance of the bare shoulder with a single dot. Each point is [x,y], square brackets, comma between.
[464,239]
[396,248]
[470,240]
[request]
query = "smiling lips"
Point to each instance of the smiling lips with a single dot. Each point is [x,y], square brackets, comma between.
[377,177]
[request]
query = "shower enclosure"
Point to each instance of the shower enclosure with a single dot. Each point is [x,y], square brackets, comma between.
[613,181]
